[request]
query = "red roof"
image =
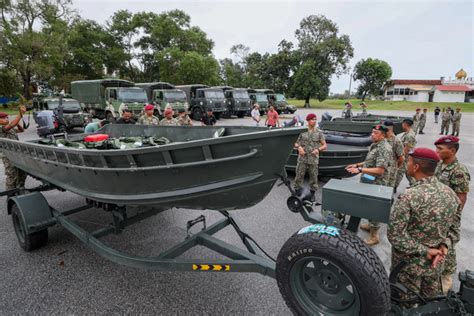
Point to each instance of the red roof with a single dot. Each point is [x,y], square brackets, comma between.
[422,82]
[453,88]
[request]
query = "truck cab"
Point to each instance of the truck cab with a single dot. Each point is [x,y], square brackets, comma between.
[282,105]
[163,94]
[201,98]
[260,97]
[237,101]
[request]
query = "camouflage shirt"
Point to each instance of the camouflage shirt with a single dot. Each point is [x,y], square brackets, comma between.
[426,215]
[446,116]
[455,175]
[380,156]
[148,120]
[456,117]
[167,122]
[184,121]
[409,139]
[416,118]
[11,134]
[397,148]
[423,117]
[310,140]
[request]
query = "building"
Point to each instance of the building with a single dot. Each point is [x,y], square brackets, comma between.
[457,90]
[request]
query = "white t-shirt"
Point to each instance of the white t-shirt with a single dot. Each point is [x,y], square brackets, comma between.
[255,115]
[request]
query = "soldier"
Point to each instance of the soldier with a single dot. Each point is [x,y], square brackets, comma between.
[424,225]
[148,118]
[409,142]
[416,121]
[397,152]
[309,145]
[364,108]
[168,120]
[377,164]
[456,119]
[422,123]
[445,121]
[455,175]
[209,119]
[15,178]
[183,118]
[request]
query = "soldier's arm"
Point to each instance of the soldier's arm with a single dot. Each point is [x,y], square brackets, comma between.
[16,120]
[324,145]
[460,185]
[454,233]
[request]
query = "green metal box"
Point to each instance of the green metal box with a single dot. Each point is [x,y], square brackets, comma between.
[358,199]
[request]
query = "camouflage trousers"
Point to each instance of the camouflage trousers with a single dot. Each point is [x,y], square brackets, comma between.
[15,178]
[456,126]
[445,127]
[421,126]
[312,169]
[415,127]
[402,171]
[450,264]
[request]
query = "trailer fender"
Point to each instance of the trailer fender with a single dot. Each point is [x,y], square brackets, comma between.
[34,210]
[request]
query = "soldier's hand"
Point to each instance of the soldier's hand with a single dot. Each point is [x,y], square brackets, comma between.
[435,255]
[353,170]
[315,152]
[301,151]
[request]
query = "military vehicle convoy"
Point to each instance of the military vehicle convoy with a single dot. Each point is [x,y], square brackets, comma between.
[163,94]
[260,97]
[106,98]
[201,98]
[237,101]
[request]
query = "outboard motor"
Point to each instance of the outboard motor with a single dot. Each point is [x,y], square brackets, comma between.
[326,116]
[45,121]
[296,201]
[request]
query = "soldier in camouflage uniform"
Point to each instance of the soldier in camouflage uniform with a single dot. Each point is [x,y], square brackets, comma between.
[309,146]
[445,121]
[397,152]
[422,123]
[15,178]
[184,119]
[377,164]
[148,118]
[455,175]
[424,224]
[416,121]
[456,119]
[409,142]
[169,120]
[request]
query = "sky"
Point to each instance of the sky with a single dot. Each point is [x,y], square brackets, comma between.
[418,39]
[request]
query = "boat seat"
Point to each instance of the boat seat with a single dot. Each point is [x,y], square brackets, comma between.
[220,132]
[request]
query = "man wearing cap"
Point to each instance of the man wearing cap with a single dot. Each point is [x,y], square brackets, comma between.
[15,178]
[126,118]
[416,120]
[456,119]
[148,118]
[424,225]
[455,175]
[445,121]
[377,164]
[409,142]
[309,145]
[183,118]
[347,113]
[422,123]
[168,120]
[364,108]
[397,153]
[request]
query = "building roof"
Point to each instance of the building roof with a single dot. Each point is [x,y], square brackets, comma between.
[421,82]
[453,88]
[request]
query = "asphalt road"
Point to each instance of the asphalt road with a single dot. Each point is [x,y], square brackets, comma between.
[66,277]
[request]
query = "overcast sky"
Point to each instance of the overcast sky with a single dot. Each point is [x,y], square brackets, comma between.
[419,39]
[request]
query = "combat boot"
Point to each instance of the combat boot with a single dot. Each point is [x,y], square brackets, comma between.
[373,237]
[313,196]
[365,227]
[446,282]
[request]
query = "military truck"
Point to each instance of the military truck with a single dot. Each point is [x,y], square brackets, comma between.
[163,94]
[282,105]
[106,98]
[201,98]
[259,96]
[237,101]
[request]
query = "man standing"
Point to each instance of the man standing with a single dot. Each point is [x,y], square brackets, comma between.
[309,146]
[209,119]
[398,154]
[148,118]
[126,117]
[377,164]
[445,121]
[347,112]
[422,123]
[424,225]
[455,175]
[436,114]
[409,142]
[168,120]
[456,122]
[15,178]
[183,118]
[256,114]
[416,120]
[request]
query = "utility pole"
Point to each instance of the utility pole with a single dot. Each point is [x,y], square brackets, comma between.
[350,83]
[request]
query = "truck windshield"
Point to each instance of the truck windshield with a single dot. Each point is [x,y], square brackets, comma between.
[214,94]
[261,97]
[241,95]
[68,105]
[132,95]
[174,96]
[280,97]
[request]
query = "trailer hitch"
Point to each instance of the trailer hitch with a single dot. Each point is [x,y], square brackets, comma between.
[191,223]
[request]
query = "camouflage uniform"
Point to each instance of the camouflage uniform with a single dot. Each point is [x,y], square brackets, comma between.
[408,138]
[148,120]
[457,177]
[456,123]
[424,216]
[397,152]
[167,122]
[379,156]
[445,121]
[422,123]
[416,122]
[185,121]
[310,140]
[15,178]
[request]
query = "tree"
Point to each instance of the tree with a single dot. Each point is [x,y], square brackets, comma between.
[280,67]
[372,75]
[322,53]
[9,83]
[231,74]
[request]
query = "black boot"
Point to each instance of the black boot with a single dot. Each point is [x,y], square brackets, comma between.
[313,196]
[298,191]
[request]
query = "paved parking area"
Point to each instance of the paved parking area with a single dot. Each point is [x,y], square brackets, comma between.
[66,277]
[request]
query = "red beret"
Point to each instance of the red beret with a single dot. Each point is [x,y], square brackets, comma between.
[3,115]
[149,107]
[418,109]
[425,153]
[168,111]
[447,140]
[311,116]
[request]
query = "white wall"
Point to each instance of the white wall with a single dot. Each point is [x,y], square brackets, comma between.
[448,96]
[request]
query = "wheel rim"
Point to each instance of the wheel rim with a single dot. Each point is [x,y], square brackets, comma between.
[321,286]
[19,230]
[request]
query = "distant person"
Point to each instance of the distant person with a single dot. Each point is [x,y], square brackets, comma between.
[347,112]
[364,108]
[95,126]
[456,119]
[148,118]
[255,114]
[183,118]
[422,123]
[169,120]
[273,120]
[416,120]
[209,119]
[445,121]
[437,110]
[126,118]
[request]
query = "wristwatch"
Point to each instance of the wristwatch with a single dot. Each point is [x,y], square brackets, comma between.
[359,168]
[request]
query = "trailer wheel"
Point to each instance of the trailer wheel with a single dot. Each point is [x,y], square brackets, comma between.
[322,270]
[31,241]
[197,113]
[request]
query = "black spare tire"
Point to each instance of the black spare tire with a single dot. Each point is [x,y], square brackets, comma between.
[324,270]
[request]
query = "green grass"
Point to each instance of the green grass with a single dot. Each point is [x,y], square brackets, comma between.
[382,105]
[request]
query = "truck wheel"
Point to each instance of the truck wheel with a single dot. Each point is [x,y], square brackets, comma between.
[217,115]
[323,270]
[240,114]
[110,117]
[197,114]
[31,241]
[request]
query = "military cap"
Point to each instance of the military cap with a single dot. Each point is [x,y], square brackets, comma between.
[149,107]
[3,115]
[311,116]
[447,140]
[424,153]
[181,110]
[408,121]
[388,123]
[380,127]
